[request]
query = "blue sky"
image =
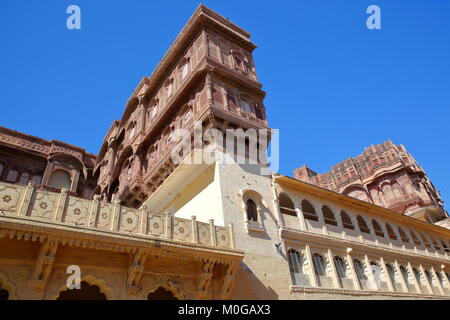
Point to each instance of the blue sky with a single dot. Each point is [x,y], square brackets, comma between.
[333,86]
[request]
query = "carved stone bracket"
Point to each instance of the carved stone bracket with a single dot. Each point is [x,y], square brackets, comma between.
[135,271]
[44,264]
[205,279]
[228,280]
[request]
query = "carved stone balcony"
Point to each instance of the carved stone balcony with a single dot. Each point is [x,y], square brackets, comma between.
[27,206]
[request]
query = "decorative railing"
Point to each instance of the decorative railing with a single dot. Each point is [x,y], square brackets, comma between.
[29,203]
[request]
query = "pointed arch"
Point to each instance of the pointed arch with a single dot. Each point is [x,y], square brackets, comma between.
[391,232]
[362,224]
[346,221]
[308,211]
[377,228]
[286,205]
[328,216]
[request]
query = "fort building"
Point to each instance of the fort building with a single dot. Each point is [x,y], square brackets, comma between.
[140,226]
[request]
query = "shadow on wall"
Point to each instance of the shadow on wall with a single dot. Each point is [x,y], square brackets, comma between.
[249,287]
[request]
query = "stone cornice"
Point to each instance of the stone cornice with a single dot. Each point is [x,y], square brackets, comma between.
[309,290]
[363,248]
[42,147]
[91,238]
[359,204]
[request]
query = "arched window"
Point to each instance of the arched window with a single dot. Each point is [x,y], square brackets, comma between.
[440,279]
[397,191]
[417,276]
[376,272]
[60,179]
[169,88]
[246,106]
[308,211]
[295,260]
[153,110]
[185,69]
[238,62]
[446,249]
[132,130]
[436,245]
[426,242]
[187,116]
[4,294]
[387,190]
[405,275]
[391,232]
[362,224]
[391,272]
[429,277]
[161,294]
[24,177]
[377,228]
[403,235]
[341,267]
[286,205]
[359,269]
[320,267]
[415,238]
[87,292]
[328,216]
[36,179]
[346,221]
[252,212]
[12,175]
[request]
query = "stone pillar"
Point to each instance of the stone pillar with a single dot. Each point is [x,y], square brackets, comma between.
[212,228]
[427,283]
[26,200]
[169,233]
[93,212]
[300,216]
[388,276]
[313,276]
[209,86]
[59,209]
[232,241]
[355,279]
[225,99]
[116,215]
[276,205]
[144,113]
[434,273]
[416,282]
[335,275]
[144,219]
[371,276]
[194,229]
[444,275]
[402,278]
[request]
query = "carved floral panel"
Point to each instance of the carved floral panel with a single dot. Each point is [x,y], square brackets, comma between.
[156,225]
[77,211]
[129,220]
[204,234]
[44,205]
[182,229]
[104,218]
[9,199]
[223,237]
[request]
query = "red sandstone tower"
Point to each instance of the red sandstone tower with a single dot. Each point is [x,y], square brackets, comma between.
[207,75]
[386,175]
